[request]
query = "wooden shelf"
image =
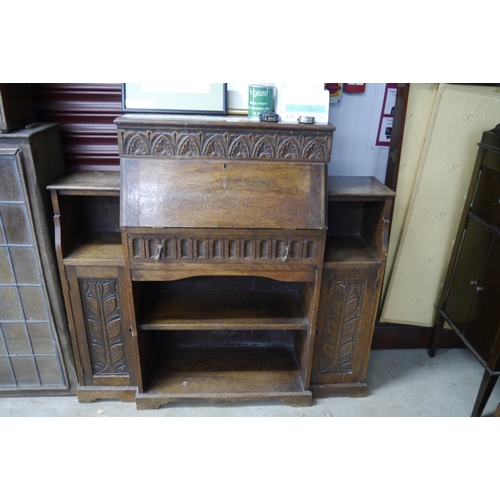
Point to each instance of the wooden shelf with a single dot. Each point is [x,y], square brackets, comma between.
[88,183]
[352,188]
[97,250]
[223,374]
[349,250]
[221,310]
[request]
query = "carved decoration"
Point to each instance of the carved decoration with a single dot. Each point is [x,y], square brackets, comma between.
[342,324]
[215,146]
[163,146]
[300,146]
[239,147]
[177,249]
[289,149]
[103,321]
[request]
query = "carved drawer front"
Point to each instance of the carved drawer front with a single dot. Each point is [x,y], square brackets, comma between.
[226,248]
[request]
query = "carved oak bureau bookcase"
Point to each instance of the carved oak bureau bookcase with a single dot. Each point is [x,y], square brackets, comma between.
[195,272]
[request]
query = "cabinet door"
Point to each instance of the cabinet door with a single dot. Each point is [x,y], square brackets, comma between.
[102,324]
[468,270]
[486,204]
[345,325]
[482,330]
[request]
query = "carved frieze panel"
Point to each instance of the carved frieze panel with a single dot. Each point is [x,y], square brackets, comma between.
[341,326]
[230,144]
[104,330]
[174,248]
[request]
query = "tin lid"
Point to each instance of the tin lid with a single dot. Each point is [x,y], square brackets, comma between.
[305,119]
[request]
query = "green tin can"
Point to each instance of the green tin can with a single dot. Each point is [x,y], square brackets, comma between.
[260,100]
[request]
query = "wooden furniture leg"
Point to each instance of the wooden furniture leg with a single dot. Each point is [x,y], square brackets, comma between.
[487,385]
[437,336]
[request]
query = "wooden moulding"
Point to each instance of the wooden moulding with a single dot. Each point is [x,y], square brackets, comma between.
[350,389]
[195,136]
[90,394]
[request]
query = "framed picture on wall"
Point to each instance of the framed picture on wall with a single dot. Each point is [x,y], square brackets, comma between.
[195,98]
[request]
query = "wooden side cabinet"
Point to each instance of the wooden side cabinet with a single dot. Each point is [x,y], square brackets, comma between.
[92,270]
[354,263]
[469,302]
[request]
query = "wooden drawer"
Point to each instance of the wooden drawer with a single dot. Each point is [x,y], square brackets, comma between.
[223,247]
[226,250]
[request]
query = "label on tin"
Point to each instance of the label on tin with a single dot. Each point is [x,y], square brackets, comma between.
[260,100]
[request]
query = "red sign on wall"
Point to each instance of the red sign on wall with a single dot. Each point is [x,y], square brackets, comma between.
[386,115]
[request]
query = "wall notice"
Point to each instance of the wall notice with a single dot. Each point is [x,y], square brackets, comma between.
[386,115]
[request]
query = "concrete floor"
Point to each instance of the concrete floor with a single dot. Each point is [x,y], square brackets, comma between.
[401,383]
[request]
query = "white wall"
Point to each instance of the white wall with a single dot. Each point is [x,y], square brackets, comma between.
[357,117]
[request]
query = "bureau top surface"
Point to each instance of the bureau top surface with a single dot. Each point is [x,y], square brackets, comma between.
[208,121]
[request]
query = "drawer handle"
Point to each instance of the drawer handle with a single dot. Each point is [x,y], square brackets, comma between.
[159,249]
[473,282]
[479,289]
[286,257]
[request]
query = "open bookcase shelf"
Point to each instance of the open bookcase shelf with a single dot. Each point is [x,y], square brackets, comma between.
[207,310]
[223,374]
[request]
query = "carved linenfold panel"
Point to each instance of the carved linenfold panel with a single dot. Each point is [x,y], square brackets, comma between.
[221,249]
[310,147]
[103,321]
[343,314]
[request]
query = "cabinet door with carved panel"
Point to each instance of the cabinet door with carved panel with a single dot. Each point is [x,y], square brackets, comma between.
[102,323]
[345,327]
